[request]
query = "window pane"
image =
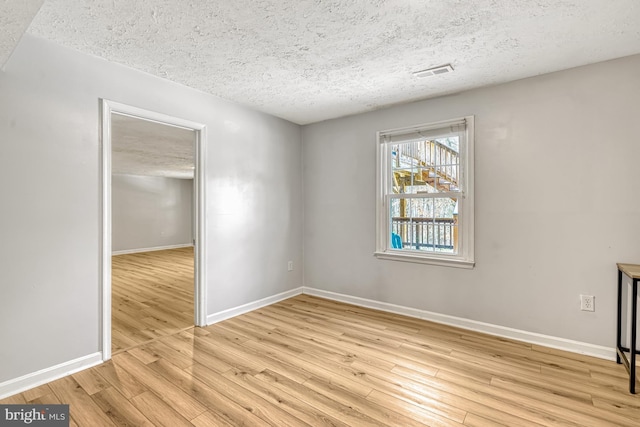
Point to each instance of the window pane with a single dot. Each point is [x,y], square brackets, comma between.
[423,173]
[424,224]
[426,166]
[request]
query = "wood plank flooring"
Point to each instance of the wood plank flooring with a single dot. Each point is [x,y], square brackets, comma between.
[152,296]
[307,361]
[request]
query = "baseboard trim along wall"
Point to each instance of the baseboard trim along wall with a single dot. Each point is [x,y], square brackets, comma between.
[157,248]
[601,352]
[245,308]
[35,379]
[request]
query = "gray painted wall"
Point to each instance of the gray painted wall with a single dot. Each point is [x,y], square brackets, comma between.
[50,186]
[556,203]
[150,212]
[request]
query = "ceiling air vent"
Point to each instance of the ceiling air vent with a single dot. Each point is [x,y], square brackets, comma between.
[442,69]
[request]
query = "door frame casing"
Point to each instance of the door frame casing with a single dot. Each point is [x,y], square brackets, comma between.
[107,108]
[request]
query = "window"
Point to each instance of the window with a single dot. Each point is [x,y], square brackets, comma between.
[425,194]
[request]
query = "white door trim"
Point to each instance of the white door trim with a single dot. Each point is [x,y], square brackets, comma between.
[200,307]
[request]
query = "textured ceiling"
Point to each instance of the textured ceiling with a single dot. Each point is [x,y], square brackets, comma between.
[311,60]
[15,17]
[141,147]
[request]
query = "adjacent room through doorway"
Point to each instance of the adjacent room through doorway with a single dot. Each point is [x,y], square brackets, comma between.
[152,230]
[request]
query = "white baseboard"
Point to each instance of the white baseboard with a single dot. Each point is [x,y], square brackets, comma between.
[155,248]
[245,308]
[35,379]
[488,328]
[26,382]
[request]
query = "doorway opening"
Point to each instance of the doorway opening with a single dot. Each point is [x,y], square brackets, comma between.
[116,119]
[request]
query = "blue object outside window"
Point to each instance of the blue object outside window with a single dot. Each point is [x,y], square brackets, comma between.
[396,241]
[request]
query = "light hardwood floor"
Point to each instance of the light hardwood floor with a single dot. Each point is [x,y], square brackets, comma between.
[309,361]
[152,296]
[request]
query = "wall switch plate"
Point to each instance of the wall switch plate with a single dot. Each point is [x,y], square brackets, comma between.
[587,303]
[290,266]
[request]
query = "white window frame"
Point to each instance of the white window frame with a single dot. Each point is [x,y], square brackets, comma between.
[465,256]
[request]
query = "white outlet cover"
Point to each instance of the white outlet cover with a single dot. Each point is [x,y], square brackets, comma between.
[587,303]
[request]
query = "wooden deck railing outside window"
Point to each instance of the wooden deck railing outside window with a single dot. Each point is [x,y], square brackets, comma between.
[430,234]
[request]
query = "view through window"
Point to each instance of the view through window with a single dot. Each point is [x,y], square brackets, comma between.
[425,201]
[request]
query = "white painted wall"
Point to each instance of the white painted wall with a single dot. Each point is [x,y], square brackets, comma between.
[556,203]
[49,182]
[150,212]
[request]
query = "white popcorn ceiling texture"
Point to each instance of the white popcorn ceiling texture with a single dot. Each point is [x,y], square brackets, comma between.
[141,147]
[312,60]
[15,17]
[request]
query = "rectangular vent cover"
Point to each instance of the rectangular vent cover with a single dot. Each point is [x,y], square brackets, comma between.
[442,69]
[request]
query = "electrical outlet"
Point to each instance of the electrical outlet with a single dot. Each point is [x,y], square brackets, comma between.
[290,266]
[587,303]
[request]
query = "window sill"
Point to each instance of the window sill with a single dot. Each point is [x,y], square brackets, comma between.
[421,259]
